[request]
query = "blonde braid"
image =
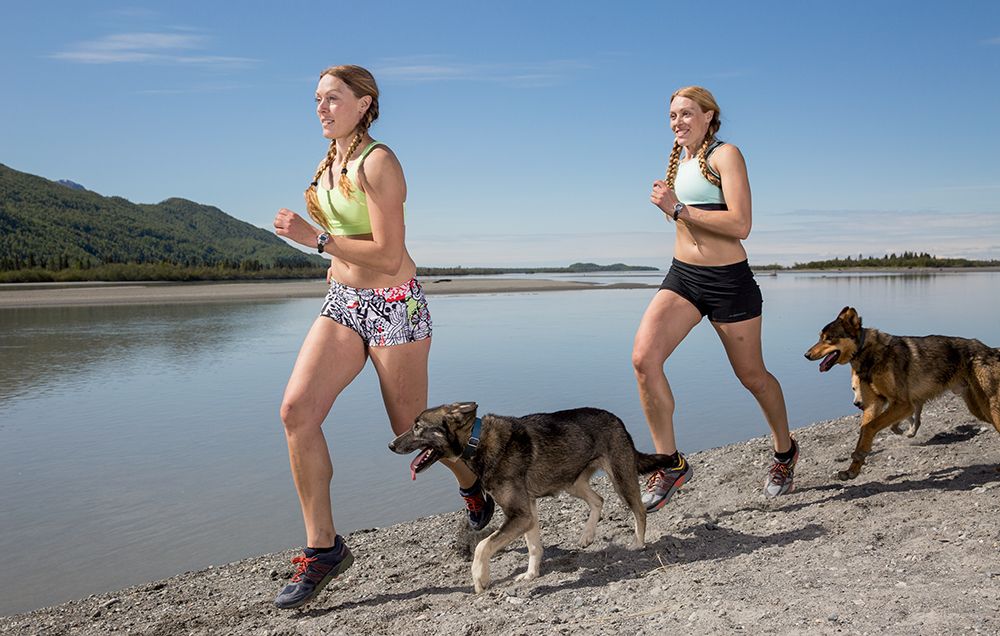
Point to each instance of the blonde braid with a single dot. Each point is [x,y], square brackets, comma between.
[703,162]
[675,160]
[344,183]
[312,199]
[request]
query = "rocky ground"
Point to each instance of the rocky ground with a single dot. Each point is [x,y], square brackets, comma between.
[912,546]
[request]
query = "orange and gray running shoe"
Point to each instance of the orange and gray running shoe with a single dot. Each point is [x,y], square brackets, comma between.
[781,476]
[662,484]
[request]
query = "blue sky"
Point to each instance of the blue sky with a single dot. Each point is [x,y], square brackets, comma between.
[530,132]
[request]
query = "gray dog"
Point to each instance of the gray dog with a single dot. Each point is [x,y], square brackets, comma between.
[519,459]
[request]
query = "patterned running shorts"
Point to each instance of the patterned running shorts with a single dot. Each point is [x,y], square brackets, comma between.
[383,316]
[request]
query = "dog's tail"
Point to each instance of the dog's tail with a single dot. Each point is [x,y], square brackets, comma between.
[646,463]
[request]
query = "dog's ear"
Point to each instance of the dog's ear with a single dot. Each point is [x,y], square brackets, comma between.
[851,321]
[463,408]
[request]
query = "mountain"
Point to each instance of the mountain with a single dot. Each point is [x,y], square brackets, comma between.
[45,224]
[73,185]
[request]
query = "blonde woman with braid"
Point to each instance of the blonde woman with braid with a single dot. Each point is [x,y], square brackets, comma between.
[706,195]
[375,309]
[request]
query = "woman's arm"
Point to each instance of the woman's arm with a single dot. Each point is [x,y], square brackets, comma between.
[381,177]
[734,222]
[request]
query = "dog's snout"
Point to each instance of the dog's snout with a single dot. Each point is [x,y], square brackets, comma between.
[858,404]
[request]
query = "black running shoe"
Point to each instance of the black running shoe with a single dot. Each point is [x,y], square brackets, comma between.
[313,572]
[479,506]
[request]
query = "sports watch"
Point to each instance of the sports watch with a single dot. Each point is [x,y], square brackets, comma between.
[322,240]
[677,209]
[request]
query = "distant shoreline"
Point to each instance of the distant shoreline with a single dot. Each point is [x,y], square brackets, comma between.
[92,293]
[27,295]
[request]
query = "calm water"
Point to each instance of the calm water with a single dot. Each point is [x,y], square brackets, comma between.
[140,442]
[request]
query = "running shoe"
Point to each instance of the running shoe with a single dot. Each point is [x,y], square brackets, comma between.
[781,476]
[479,506]
[662,484]
[313,572]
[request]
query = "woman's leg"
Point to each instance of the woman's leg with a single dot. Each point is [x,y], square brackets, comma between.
[331,356]
[402,374]
[668,319]
[743,346]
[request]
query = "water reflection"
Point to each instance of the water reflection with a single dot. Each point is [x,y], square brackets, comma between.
[56,347]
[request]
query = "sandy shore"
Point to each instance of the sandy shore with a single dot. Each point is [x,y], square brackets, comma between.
[151,293]
[910,547]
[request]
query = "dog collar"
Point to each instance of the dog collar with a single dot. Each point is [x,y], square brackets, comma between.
[473,445]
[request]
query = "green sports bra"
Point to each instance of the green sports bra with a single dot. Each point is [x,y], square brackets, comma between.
[347,216]
[693,188]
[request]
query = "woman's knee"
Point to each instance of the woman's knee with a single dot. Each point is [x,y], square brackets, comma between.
[296,416]
[756,381]
[646,362]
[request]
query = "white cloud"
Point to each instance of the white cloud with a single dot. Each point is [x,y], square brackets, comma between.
[434,69]
[148,48]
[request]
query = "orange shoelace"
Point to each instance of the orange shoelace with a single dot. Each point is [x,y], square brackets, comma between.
[780,472]
[475,503]
[656,479]
[302,564]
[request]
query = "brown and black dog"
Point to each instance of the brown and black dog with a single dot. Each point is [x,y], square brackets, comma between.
[898,374]
[520,459]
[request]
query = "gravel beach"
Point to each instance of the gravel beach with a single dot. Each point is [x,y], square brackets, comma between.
[910,547]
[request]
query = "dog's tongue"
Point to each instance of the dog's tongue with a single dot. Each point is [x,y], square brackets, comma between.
[416,463]
[828,362]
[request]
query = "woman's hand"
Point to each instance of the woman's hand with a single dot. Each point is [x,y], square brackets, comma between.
[292,226]
[663,197]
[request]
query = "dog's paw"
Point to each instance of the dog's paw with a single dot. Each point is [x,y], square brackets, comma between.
[844,475]
[480,585]
[912,431]
[526,576]
[637,545]
[897,428]
[586,539]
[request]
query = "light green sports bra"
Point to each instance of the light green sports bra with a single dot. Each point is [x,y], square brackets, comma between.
[693,188]
[347,216]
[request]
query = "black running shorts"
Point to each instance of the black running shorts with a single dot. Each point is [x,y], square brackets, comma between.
[726,293]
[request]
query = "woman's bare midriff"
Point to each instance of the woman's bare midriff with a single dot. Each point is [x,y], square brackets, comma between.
[359,277]
[697,246]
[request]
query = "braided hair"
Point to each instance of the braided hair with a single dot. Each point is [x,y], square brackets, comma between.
[362,83]
[706,102]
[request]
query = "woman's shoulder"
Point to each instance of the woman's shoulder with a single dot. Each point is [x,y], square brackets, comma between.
[379,163]
[379,155]
[723,148]
[725,154]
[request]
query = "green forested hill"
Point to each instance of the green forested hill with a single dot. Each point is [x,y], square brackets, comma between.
[48,226]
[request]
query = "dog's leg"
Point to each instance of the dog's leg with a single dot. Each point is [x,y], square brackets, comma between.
[533,538]
[582,490]
[895,412]
[517,522]
[914,421]
[626,483]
